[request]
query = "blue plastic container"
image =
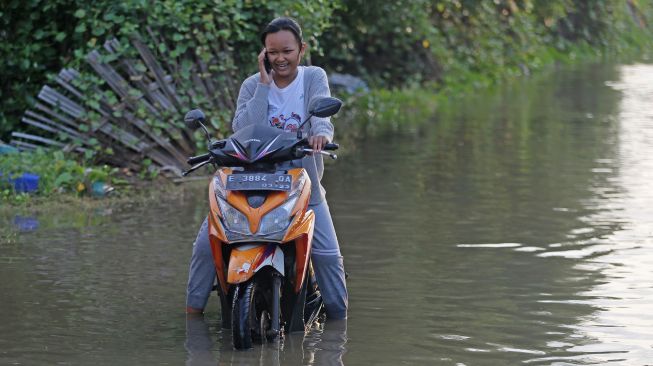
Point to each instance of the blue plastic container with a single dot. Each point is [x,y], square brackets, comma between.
[26,183]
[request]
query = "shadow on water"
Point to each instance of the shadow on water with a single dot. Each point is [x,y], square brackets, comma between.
[512,227]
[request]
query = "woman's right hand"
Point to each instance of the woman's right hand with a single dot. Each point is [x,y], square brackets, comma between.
[265,77]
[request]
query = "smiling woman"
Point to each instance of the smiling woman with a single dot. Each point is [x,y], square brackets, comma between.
[283,49]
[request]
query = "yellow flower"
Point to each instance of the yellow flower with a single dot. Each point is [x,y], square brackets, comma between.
[426,43]
[80,187]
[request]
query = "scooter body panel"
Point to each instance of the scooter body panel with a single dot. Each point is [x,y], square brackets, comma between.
[246,260]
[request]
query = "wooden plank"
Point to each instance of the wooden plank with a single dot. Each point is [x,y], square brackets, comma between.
[159,74]
[210,87]
[160,97]
[141,82]
[111,45]
[117,83]
[56,115]
[42,126]
[59,100]
[158,139]
[63,79]
[54,97]
[73,73]
[228,97]
[59,127]
[66,148]
[36,138]
[149,88]
[132,142]
[123,137]
[106,72]
[23,146]
[130,119]
[198,84]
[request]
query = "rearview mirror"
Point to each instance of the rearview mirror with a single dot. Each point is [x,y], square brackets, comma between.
[324,107]
[194,119]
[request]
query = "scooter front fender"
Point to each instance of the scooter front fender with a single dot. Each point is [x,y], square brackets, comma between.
[246,260]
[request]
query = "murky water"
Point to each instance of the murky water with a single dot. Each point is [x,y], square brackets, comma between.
[516,227]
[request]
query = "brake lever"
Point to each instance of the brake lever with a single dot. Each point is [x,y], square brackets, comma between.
[195,167]
[332,156]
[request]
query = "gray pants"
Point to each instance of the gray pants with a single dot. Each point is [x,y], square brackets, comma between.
[327,263]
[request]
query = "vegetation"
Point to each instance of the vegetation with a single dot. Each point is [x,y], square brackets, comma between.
[447,43]
[414,45]
[57,174]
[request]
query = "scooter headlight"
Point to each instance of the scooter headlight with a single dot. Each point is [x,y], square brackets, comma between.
[219,188]
[233,219]
[278,219]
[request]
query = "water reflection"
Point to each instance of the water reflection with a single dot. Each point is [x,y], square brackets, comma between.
[324,345]
[620,330]
[26,223]
[199,343]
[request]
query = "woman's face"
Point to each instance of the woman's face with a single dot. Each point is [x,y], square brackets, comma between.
[284,53]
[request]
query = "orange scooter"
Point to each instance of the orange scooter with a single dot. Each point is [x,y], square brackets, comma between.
[260,228]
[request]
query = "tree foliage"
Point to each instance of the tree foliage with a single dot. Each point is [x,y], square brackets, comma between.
[463,41]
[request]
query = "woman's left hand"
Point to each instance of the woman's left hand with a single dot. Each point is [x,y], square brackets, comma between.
[317,142]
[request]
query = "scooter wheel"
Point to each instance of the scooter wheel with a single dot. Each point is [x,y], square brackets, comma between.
[241,316]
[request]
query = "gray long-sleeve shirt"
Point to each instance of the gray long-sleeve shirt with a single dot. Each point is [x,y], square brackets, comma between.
[252,107]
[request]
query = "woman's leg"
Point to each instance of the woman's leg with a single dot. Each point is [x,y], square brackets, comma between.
[201,274]
[328,264]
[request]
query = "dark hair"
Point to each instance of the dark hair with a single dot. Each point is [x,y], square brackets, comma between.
[283,23]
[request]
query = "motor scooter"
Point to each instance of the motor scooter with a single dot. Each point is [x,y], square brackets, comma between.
[260,227]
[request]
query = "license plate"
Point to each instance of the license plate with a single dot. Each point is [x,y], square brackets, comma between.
[259,182]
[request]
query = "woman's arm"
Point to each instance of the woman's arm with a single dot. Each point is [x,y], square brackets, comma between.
[252,103]
[319,87]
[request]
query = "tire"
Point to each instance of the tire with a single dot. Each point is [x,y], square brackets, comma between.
[241,316]
[250,316]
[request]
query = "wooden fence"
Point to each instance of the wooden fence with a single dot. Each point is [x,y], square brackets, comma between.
[115,129]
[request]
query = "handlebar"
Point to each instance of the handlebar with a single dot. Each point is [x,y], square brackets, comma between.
[201,160]
[198,159]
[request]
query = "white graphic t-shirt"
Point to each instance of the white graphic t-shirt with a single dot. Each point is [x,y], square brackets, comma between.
[286,106]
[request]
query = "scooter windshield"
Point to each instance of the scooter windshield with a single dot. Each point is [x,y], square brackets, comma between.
[259,144]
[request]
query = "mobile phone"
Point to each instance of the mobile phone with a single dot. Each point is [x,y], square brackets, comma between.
[266,64]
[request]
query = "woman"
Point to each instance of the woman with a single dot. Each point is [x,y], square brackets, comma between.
[281,97]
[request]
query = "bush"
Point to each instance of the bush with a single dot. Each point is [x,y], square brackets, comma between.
[57,174]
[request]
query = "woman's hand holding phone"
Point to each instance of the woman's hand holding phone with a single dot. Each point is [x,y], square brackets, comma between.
[266,74]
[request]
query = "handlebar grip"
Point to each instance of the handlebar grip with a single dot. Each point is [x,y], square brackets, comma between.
[331,146]
[198,159]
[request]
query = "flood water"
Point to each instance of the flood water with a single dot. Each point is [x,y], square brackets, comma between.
[513,227]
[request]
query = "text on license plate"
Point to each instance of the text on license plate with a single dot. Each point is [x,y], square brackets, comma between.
[272,182]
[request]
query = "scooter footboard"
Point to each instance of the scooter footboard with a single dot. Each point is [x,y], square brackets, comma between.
[246,260]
